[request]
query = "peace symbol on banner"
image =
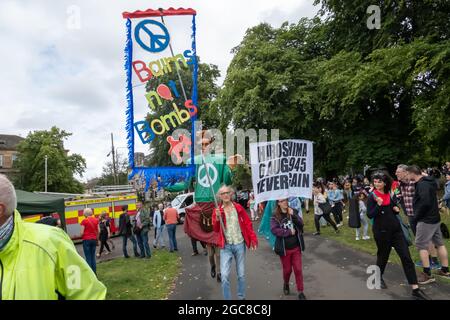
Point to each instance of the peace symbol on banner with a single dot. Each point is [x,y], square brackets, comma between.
[202,177]
[152,35]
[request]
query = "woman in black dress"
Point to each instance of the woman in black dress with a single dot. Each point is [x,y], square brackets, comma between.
[104,234]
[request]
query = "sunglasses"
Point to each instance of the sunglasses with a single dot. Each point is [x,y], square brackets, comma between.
[225,193]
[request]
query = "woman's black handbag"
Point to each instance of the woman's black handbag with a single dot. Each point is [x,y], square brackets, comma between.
[354,219]
[325,207]
[279,246]
[405,230]
[302,242]
[444,231]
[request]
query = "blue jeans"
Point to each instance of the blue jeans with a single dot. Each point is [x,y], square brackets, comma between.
[89,247]
[171,230]
[226,256]
[159,236]
[124,245]
[142,239]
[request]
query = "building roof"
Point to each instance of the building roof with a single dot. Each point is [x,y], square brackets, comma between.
[9,142]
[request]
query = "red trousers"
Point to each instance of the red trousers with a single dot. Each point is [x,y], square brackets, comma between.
[293,260]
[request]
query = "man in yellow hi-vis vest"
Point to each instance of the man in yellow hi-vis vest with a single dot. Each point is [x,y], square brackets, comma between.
[39,262]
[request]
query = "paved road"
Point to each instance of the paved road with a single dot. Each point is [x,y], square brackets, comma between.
[331,271]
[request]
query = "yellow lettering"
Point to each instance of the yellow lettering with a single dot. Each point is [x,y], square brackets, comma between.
[170,116]
[153,94]
[157,121]
[160,71]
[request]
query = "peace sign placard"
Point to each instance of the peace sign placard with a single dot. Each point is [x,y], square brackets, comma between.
[152,35]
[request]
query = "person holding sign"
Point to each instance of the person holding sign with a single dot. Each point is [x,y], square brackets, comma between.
[287,226]
[235,234]
[387,231]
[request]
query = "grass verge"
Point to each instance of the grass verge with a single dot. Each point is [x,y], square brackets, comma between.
[140,279]
[347,235]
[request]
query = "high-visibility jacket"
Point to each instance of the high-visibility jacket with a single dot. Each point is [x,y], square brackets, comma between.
[40,262]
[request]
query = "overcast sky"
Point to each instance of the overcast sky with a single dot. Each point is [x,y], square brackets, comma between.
[55,74]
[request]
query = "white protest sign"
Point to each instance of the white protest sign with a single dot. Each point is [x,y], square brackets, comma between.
[282,169]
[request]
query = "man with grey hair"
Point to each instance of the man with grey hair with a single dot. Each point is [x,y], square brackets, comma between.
[236,233]
[160,224]
[39,262]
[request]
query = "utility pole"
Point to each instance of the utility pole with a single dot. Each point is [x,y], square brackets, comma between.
[114,159]
[46,157]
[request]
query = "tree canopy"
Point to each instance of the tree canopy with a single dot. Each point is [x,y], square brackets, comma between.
[366,97]
[61,166]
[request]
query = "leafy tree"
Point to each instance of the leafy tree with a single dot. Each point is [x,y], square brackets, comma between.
[376,97]
[242,177]
[61,166]
[401,22]
[107,177]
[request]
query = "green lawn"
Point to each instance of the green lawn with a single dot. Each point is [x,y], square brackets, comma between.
[347,236]
[140,279]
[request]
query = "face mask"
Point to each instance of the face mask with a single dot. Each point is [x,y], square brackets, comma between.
[6,231]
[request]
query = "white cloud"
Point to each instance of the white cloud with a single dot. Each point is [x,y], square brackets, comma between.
[74,78]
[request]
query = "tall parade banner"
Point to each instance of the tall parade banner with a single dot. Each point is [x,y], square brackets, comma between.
[161,68]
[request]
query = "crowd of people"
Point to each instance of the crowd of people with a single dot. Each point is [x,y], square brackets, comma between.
[358,202]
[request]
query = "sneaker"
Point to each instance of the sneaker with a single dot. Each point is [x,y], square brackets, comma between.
[357,238]
[286,289]
[316,234]
[301,296]
[213,271]
[383,284]
[366,238]
[194,253]
[443,274]
[420,295]
[423,278]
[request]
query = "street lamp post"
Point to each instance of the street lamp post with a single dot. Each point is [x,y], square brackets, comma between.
[46,158]
[117,161]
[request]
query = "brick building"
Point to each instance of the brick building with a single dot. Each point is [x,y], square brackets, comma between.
[8,153]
